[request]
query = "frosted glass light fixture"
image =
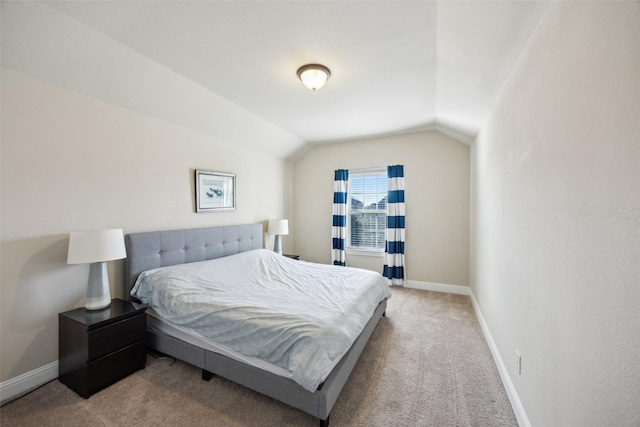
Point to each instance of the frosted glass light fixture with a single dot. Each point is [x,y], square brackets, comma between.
[279,227]
[314,76]
[95,248]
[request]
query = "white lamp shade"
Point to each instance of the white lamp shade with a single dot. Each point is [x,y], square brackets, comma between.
[313,76]
[96,246]
[278,227]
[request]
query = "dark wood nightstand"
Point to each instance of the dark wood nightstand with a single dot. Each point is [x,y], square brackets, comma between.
[98,348]
[292,256]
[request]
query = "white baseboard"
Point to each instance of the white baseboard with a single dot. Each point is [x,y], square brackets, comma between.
[438,287]
[516,404]
[22,384]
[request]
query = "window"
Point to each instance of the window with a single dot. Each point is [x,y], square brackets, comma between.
[367,210]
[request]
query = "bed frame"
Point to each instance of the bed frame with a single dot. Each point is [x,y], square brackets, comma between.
[163,248]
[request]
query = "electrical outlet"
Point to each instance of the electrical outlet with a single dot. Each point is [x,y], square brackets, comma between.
[519,362]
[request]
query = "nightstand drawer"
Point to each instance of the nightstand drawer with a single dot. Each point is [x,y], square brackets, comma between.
[113,337]
[106,371]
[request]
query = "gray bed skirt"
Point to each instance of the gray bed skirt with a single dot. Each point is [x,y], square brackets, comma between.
[163,248]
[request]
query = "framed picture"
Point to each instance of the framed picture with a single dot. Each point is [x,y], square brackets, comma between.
[215,191]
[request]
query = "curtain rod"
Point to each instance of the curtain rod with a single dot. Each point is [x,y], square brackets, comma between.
[371,169]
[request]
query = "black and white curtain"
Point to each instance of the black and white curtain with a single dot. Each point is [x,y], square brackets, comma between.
[339,229]
[394,245]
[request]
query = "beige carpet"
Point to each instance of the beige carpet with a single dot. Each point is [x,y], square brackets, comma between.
[427,364]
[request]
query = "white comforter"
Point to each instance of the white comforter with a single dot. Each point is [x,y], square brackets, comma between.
[300,316]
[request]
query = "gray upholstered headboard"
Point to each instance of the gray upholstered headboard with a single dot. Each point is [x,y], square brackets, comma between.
[162,248]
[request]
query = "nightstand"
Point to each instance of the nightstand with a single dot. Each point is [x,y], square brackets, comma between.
[291,256]
[98,348]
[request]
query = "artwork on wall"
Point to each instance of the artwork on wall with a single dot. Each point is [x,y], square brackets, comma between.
[215,191]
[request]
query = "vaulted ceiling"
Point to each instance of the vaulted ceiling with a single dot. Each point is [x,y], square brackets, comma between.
[396,66]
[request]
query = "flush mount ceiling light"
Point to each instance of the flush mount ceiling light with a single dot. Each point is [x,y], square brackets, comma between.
[314,76]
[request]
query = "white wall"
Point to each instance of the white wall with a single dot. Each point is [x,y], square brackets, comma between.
[42,42]
[71,162]
[437,202]
[555,252]
[96,136]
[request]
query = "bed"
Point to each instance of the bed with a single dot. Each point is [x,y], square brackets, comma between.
[151,254]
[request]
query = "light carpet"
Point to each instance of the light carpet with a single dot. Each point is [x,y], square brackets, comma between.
[427,364]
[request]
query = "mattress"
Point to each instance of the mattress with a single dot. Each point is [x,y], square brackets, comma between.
[158,324]
[300,317]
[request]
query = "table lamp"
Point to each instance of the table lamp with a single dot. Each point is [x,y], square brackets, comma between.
[279,227]
[95,248]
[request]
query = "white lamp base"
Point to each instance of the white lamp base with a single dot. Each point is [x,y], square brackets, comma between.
[98,292]
[277,247]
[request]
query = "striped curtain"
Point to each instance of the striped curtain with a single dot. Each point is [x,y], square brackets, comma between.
[394,245]
[339,229]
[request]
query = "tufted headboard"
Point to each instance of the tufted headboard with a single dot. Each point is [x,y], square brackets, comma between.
[162,248]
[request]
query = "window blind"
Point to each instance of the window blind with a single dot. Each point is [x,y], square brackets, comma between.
[367,206]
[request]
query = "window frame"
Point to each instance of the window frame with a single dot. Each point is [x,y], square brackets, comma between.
[359,250]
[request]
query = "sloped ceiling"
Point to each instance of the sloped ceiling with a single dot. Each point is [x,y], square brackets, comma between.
[396,66]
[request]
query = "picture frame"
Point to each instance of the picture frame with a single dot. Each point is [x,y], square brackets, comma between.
[215,191]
